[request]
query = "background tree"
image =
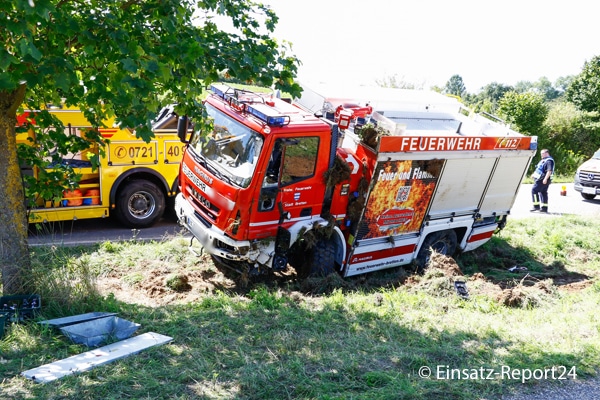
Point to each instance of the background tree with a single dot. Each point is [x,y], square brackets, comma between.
[525,111]
[523,86]
[562,83]
[121,59]
[488,98]
[455,86]
[574,134]
[544,87]
[584,90]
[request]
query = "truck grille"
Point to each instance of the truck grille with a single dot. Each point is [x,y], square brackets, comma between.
[589,177]
[203,204]
[204,221]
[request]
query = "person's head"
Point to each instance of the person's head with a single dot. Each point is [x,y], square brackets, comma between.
[545,153]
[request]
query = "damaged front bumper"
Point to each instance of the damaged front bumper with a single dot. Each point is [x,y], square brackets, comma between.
[212,239]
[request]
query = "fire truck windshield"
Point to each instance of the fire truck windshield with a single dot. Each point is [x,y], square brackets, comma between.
[230,149]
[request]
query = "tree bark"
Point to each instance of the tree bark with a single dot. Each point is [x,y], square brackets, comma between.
[14,249]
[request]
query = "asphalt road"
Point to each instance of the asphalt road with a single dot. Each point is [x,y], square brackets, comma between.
[91,231]
[100,230]
[570,204]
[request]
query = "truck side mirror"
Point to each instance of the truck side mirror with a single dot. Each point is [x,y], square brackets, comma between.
[182,128]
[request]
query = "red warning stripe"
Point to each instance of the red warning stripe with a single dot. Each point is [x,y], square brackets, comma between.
[481,236]
[107,133]
[383,253]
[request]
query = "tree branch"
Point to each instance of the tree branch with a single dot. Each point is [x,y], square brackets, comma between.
[15,99]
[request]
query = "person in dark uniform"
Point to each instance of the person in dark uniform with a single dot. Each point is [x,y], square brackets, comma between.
[542,178]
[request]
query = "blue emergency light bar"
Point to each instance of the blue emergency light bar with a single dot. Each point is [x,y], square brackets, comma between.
[241,105]
[271,120]
[217,91]
[227,96]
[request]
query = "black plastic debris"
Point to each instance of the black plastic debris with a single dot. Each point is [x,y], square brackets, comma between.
[517,268]
[461,289]
[18,308]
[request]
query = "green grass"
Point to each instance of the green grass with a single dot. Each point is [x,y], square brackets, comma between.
[360,338]
[555,179]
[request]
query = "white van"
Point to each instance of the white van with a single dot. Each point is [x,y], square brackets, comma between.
[587,177]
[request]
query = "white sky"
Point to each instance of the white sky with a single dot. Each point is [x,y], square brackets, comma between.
[427,41]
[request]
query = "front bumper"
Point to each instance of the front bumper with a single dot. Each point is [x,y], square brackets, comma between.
[213,240]
[593,190]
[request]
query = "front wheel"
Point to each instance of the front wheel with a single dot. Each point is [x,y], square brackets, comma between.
[442,242]
[320,261]
[140,204]
[588,196]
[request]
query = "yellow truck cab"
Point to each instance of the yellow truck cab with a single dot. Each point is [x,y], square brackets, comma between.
[134,181]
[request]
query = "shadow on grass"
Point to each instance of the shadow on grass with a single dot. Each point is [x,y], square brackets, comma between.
[272,347]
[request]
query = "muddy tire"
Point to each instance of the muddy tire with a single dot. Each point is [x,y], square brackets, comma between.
[320,261]
[140,204]
[443,242]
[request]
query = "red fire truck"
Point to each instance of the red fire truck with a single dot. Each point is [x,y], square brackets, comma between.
[340,185]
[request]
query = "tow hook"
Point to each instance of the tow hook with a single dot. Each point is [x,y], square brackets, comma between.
[194,251]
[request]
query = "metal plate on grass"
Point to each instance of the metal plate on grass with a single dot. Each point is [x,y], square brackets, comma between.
[99,331]
[93,358]
[75,319]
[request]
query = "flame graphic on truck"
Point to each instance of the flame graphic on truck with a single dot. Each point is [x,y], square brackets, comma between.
[400,197]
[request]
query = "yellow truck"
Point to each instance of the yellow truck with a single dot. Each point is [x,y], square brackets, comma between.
[134,181]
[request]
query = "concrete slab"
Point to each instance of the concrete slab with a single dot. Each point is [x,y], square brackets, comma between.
[93,358]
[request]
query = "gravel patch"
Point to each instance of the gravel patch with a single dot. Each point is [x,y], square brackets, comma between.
[588,389]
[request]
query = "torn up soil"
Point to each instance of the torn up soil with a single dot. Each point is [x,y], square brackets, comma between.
[155,286]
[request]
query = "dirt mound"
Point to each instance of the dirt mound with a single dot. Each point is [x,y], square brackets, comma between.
[521,296]
[161,286]
[439,278]
[447,265]
[442,274]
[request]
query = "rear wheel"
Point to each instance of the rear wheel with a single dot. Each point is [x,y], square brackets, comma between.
[443,242]
[140,204]
[588,196]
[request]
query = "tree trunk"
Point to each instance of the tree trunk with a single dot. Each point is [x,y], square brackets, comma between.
[14,250]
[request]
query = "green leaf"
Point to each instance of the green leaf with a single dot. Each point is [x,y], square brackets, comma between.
[63,81]
[27,48]
[6,59]
[129,65]
[6,82]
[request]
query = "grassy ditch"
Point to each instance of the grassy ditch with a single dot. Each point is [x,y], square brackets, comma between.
[368,337]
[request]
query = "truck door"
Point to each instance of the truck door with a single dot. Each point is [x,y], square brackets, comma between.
[291,189]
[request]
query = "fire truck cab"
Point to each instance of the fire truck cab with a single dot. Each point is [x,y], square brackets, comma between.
[265,183]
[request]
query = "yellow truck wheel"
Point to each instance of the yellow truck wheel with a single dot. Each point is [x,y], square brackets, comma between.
[139,204]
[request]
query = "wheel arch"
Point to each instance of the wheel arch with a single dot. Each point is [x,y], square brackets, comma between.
[448,236]
[337,237]
[139,174]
